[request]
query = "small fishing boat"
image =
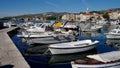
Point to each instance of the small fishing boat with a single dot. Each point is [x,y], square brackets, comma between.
[108,59]
[113,34]
[53,38]
[72,47]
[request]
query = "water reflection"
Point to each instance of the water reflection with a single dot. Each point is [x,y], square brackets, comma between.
[58,59]
[113,43]
[55,59]
[37,49]
[22,46]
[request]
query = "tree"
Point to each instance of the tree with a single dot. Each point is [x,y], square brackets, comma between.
[22,19]
[106,16]
[51,18]
[59,17]
[6,18]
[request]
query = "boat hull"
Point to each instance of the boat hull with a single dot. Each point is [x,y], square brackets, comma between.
[33,36]
[51,39]
[112,36]
[104,60]
[112,65]
[71,50]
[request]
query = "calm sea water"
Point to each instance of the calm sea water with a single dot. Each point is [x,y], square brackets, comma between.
[38,55]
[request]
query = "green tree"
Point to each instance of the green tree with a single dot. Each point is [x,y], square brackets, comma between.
[59,17]
[51,18]
[22,19]
[106,16]
[6,18]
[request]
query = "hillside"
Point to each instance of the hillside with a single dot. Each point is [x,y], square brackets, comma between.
[55,14]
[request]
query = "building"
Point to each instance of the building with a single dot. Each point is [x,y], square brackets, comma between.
[90,16]
[114,14]
[66,17]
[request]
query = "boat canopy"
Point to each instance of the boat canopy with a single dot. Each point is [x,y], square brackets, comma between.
[106,57]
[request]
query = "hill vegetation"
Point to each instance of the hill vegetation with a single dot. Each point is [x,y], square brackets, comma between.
[53,15]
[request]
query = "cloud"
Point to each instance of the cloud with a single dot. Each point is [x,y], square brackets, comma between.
[51,4]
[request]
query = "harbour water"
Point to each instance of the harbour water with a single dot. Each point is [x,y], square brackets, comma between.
[38,55]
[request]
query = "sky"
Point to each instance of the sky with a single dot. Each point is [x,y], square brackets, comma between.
[21,7]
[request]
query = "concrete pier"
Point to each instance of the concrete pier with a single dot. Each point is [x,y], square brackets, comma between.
[9,54]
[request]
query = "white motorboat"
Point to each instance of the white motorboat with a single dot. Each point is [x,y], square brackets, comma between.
[103,60]
[37,28]
[96,27]
[113,34]
[91,28]
[72,47]
[34,34]
[70,25]
[53,38]
[48,37]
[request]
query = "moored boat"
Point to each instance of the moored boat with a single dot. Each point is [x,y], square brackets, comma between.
[113,34]
[72,47]
[34,35]
[51,39]
[107,60]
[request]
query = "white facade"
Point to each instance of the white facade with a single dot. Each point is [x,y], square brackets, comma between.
[66,17]
[114,15]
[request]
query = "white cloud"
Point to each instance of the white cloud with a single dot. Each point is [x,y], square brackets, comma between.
[51,4]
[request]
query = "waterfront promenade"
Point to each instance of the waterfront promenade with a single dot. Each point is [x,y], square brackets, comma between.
[9,54]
